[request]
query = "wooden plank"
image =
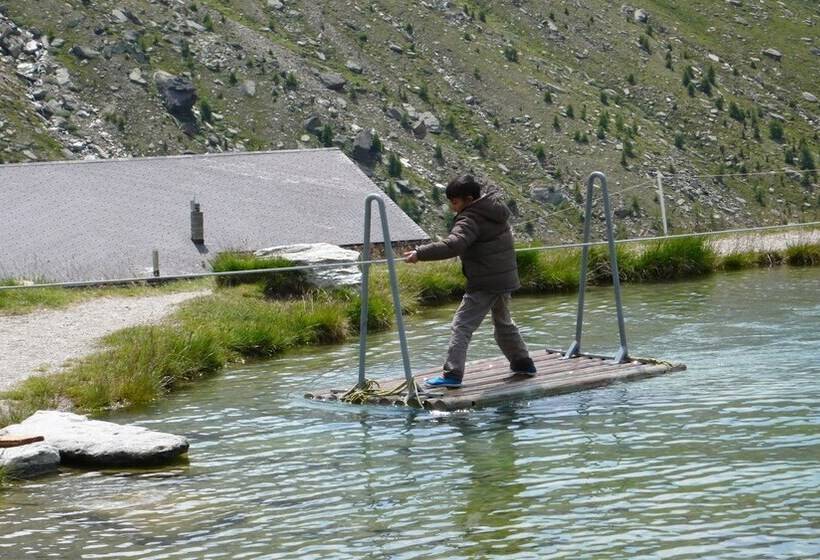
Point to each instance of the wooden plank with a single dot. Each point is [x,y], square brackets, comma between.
[15,441]
[490,381]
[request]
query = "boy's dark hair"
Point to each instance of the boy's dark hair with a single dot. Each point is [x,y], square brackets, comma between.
[462,187]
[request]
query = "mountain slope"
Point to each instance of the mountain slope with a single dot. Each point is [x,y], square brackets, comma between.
[531,96]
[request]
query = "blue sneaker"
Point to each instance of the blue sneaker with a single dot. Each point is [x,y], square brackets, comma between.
[524,367]
[443,381]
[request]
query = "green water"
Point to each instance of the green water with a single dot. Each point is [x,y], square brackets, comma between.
[719,461]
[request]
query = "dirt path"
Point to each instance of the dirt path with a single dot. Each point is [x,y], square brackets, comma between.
[43,341]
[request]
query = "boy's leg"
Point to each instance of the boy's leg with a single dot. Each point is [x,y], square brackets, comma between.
[507,335]
[474,307]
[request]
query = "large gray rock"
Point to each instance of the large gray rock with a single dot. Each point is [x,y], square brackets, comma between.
[84,53]
[333,81]
[178,93]
[431,122]
[97,443]
[363,147]
[320,253]
[28,461]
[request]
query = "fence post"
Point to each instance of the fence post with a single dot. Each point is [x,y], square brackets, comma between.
[663,205]
[155,261]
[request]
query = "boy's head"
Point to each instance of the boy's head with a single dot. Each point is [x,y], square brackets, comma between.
[462,191]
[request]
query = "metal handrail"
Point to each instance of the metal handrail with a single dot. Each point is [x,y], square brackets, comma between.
[394,288]
[575,347]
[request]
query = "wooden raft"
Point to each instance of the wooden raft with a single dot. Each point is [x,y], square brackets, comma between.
[488,382]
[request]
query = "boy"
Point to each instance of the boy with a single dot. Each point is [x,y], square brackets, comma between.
[482,237]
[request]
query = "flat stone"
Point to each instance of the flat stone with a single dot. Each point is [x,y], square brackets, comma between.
[811,98]
[28,461]
[772,53]
[136,77]
[98,443]
[195,26]
[27,70]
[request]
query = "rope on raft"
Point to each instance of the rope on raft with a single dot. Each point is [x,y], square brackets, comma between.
[371,389]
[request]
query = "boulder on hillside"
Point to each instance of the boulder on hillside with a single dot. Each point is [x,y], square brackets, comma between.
[178,93]
[28,461]
[103,444]
[363,147]
[84,53]
[333,81]
[431,122]
[320,253]
[774,54]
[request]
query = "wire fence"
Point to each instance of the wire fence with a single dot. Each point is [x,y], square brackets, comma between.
[103,282]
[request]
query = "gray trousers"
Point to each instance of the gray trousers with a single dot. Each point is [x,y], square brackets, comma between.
[474,307]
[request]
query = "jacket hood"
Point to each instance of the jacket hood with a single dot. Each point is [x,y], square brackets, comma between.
[490,207]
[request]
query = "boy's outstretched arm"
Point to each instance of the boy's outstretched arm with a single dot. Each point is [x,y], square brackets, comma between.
[463,234]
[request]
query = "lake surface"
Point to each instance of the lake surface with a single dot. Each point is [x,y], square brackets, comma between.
[719,461]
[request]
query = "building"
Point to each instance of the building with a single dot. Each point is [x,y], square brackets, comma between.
[102,219]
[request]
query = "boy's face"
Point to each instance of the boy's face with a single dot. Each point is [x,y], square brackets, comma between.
[458,203]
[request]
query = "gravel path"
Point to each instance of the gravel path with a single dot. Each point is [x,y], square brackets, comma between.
[765,242]
[44,340]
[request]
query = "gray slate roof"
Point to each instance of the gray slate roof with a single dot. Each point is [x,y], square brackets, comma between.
[101,219]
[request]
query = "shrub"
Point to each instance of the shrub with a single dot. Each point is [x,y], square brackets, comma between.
[376,145]
[805,254]
[776,131]
[205,111]
[394,167]
[539,152]
[510,53]
[679,140]
[548,97]
[326,136]
[736,112]
[570,112]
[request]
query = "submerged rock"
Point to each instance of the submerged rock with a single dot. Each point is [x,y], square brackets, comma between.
[97,443]
[320,253]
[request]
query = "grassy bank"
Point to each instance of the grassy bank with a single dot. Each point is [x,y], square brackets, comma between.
[243,321]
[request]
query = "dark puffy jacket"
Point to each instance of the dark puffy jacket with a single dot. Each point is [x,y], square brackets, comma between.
[482,237]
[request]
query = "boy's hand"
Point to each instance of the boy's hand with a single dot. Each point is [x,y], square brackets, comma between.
[411,257]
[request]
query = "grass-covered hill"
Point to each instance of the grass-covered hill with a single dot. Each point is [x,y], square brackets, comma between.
[530,96]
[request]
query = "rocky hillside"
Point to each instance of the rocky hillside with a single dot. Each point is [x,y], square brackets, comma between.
[530,96]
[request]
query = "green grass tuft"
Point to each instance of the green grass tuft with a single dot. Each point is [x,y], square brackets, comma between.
[804,254]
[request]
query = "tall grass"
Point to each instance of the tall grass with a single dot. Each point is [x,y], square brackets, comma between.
[284,284]
[804,254]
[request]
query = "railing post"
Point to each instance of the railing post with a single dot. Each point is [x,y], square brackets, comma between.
[394,288]
[575,347]
[663,204]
